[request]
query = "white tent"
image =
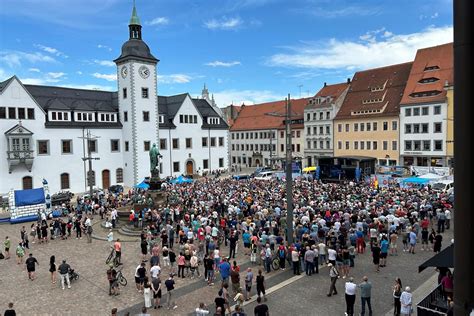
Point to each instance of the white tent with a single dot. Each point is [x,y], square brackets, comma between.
[431,176]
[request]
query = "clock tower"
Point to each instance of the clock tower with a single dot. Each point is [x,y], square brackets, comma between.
[138,102]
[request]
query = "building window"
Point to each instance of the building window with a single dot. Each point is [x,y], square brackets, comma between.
[328,115]
[298,147]
[126,146]
[328,130]
[437,127]
[204,142]
[368,145]
[59,116]
[362,145]
[385,145]
[407,128]
[417,145]
[339,128]
[408,112]
[189,143]
[321,115]
[321,132]
[315,116]
[374,145]
[124,93]
[27,183]
[416,111]
[347,128]
[233,147]
[308,116]
[426,145]
[282,134]
[425,110]
[315,130]
[424,128]
[162,143]
[394,125]
[85,117]
[146,116]
[176,166]
[374,126]
[408,145]
[282,147]
[3,112]
[65,181]
[107,117]
[368,125]
[438,145]
[146,145]
[437,110]
[12,113]
[114,145]
[221,141]
[328,144]
[416,128]
[31,113]
[213,142]
[308,130]
[119,175]
[43,147]
[394,145]
[339,145]
[298,134]
[232,135]
[385,126]
[356,145]
[21,113]
[205,164]
[175,143]
[161,119]
[92,146]
[347,145]
[221,162]
[145,93]
[125,116]
[66,146]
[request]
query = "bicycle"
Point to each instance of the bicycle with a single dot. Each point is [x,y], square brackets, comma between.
[120,278]
[112,257]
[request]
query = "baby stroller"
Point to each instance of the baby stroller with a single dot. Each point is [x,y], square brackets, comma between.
[73,276]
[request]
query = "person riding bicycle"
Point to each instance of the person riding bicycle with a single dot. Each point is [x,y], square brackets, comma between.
[118,251]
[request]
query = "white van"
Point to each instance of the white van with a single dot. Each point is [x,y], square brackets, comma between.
[266,175]
[444,186]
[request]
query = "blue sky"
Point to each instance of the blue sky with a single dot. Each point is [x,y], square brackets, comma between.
[244,50]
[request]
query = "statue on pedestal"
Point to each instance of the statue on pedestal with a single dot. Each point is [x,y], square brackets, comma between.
[154,162]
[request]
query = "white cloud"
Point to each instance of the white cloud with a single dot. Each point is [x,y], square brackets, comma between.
[34,70]
[218,63]
[158,21]
[51,50]
[104,47]
[237,97]
[35,81]
[174,78]
[55,75]
[79,72]
[324,12]
[106,63]
[224,23]
[370,36]
[334,54]
[435,15]
[3,75]
[108,77]
[15,58]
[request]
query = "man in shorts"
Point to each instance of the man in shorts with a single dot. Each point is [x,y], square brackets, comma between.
[424,239]
[30,266]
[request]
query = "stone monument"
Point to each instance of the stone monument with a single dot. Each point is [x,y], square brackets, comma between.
[155,191]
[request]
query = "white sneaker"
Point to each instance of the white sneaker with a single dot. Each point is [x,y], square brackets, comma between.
[69,287]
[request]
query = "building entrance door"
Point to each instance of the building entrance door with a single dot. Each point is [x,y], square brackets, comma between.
[189,167]
[105,179]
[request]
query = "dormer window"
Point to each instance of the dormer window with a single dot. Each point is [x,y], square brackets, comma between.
[85,117]
[423,94]
[430,68]
[108,117]
[213,120]
[59,116]
[161,119]
[428,80]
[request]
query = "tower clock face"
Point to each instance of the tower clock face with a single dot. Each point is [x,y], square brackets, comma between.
[124,71]
[144,72]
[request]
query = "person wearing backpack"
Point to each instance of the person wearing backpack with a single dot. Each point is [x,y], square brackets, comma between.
[282,255]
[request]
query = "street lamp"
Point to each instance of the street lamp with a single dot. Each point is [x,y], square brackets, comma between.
[289,176]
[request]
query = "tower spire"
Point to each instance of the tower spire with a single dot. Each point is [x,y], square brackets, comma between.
[134,25]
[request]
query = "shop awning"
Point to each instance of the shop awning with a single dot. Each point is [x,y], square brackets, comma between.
[444,259]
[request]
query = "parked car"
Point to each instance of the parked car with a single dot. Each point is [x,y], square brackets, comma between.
[260,170]
[116,189]
[266,175]
[446,186]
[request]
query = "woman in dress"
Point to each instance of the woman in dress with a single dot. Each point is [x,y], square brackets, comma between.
[397,291]
[406,302]
[147,293]
[52,269]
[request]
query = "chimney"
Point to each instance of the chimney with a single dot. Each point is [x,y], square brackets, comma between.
[325,84]
[348,80]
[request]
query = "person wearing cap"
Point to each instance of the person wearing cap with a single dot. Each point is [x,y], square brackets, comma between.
[406,302]
[365,294]
[350,296]
[334,275]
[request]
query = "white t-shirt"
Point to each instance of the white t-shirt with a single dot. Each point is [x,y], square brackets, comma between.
[155,271]
[351,288]
[332,254]
[322,248]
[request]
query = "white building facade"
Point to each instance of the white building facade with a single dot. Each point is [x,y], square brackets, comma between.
[45,128]
[423,134]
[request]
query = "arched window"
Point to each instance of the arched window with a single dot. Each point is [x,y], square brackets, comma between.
[65,181]
[119,175]
[27,183]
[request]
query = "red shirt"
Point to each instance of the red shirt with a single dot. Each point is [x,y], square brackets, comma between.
[425,223]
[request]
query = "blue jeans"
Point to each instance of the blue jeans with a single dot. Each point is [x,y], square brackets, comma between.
[309,268]
[363,301]
[268,262]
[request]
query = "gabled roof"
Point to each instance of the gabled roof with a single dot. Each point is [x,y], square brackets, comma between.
[434,67]
[18,129]
[60,98]
[328,94]
[5,83]
[168,107]
[375,92]
[206,110]
[256,117]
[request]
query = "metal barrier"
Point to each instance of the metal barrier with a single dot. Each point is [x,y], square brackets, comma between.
[434,304]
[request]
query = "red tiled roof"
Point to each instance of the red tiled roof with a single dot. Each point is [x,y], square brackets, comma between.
[375,92]
[441,59]
[332,90]
[255,117]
